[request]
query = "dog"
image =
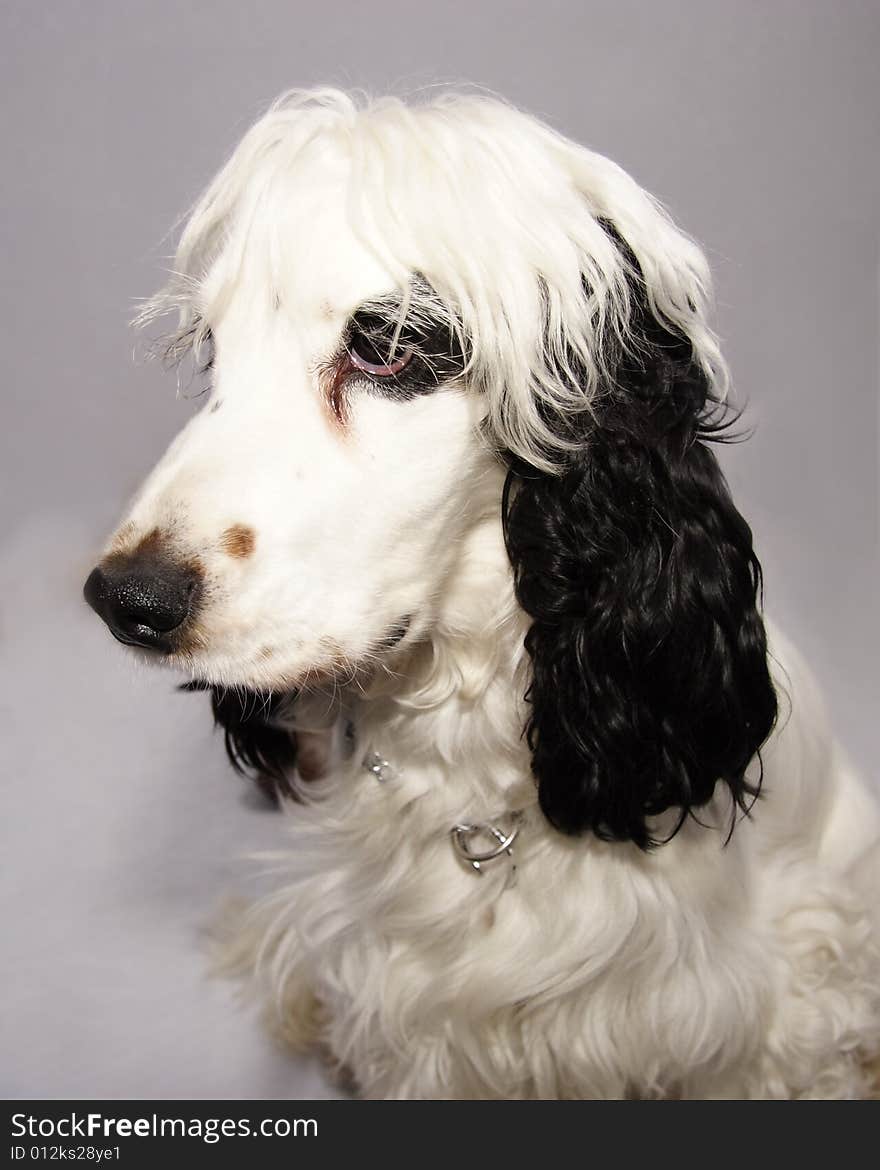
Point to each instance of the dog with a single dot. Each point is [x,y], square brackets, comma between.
[450,547]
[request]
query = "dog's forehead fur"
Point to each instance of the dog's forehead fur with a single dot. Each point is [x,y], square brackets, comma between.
[289,248]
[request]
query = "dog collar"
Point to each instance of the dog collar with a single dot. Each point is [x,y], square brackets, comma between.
[474,843]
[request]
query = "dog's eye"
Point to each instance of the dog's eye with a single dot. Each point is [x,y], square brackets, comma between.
[371,356]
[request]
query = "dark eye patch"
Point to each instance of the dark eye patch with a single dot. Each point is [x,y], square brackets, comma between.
[426,338]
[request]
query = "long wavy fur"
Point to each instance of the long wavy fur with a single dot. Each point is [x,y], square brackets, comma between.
[650,677]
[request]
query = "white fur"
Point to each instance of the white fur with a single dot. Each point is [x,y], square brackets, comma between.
[748,967]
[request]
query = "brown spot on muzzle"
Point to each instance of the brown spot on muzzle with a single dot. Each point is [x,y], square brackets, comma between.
[238,541]
[153,542]
[127,543]
[122,537]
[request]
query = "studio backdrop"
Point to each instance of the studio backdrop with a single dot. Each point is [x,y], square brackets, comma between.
[755,123]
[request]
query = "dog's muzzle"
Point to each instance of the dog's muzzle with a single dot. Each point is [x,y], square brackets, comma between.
[144,599]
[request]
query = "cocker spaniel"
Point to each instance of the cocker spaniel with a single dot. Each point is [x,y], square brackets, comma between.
[450,526]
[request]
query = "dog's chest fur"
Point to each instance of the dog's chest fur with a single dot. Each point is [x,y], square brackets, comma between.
[598,971]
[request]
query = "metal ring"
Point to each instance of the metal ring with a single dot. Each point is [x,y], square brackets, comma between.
[461,832]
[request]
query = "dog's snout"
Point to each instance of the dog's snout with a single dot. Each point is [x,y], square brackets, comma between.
[142,600]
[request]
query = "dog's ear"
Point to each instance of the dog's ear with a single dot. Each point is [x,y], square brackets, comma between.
[650,681]
[256,745]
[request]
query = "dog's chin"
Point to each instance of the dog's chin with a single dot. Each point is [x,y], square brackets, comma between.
[266,678]
[260,681]
[330,665]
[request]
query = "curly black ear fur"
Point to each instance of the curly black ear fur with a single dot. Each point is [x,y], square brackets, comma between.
[650,678]
[256,745]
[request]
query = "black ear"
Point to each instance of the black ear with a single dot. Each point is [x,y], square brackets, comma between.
[650,679]
[255,743]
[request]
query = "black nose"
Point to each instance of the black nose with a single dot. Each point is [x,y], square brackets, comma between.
[143,600]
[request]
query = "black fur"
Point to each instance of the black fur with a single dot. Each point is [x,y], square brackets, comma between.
[650,679]
[256,745]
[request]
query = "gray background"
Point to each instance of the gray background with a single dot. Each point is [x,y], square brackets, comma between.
[756,123]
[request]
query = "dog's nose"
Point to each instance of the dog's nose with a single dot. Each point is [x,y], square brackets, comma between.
[142,601]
